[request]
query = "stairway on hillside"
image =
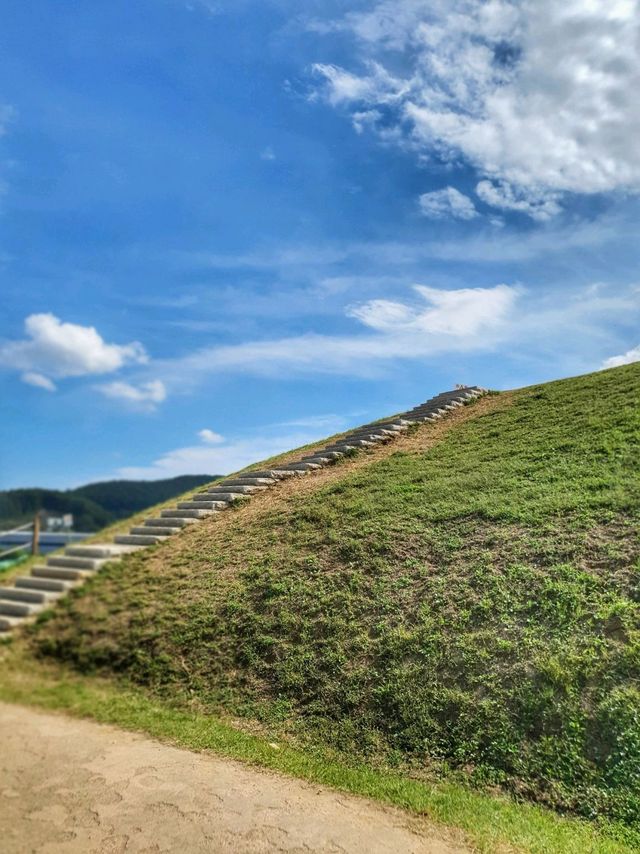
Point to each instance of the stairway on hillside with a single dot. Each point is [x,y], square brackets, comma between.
[28,595]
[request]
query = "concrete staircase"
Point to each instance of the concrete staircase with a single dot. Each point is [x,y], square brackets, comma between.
[29,595]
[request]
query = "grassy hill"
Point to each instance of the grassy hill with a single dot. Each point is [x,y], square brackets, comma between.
[95,505]
[464,602]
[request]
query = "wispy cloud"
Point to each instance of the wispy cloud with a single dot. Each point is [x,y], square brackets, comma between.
[448,203]
[38,381]
[510,319]
[439,321]
[145,396]
[210,436]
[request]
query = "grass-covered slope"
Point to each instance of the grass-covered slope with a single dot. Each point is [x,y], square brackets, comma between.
[468,597]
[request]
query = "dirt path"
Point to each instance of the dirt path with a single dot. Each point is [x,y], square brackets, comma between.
[71,785]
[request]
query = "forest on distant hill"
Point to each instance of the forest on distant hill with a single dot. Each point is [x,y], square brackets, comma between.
[97,504]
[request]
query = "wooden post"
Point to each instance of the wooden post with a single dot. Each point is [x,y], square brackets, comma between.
[35,541]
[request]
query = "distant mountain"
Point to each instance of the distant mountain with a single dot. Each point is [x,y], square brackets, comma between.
[97,504]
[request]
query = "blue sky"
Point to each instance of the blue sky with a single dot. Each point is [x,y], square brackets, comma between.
[227,229]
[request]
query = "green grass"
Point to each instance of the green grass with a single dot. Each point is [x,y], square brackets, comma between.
[467,613]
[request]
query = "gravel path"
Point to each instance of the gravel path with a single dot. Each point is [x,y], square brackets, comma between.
[70,785]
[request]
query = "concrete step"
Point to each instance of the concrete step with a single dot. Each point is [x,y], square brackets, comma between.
[7,623]
[203,505]
[59,572]
[360,443]
[185,514]
[99,550]
[217,496]
[242,489]
[173,522]
[302,467]
[320,459]
[393,426]
[276,472]
[76,562]
[21,594]
[370,436]
[50,585]
[19,609]
[150,530]
[250,481]
[138,540]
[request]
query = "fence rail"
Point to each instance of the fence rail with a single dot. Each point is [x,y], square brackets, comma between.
[34,527]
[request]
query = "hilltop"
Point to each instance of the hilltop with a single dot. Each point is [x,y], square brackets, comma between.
[465,600]
[95,505]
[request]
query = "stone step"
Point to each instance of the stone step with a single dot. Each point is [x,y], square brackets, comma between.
[99,550]
[320,459]
[138,539]
[302,467]
[59,572]
[19,609]
[76,562]
[203,505]
[217,496]
[50,585]
[21,594]
[185,514]
[7,623]
[173,522]
[155,531]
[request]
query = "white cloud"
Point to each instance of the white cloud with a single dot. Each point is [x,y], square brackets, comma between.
[627,358]
[457,313]
[267,153]
[540,207]
[574,332]
[146,395]
[439,321]
[539,96]
[56,349]
[343,87]
[38,380]
[210,437]
[447,203]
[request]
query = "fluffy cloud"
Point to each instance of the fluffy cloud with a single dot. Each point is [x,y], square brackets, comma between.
[145,396]
[53,349]
[447,204]
[627,358]
[539,96]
